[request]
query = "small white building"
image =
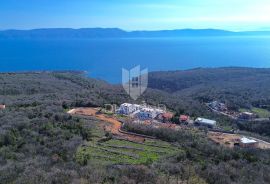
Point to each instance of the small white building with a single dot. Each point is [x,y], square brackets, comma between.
[248,143]
[247,115]
[205,122]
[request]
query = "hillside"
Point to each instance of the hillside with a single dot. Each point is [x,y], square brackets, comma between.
[41,143]
[38,139]
[242,86]
[238,88]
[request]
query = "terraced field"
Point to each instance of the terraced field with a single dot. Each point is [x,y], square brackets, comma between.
[120,148]
[117,151]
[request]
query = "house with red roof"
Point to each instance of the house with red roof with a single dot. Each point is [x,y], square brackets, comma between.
[165,117]
[2,106]
[183,118]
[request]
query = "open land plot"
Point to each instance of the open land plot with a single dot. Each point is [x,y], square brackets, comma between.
[262,113]
[125,152]
[229,140]
[122,148]
[113,125]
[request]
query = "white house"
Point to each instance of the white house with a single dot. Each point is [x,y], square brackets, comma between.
[127,108]
[148,113]
[139,111]
[205,122]
[248,143]
[247,116]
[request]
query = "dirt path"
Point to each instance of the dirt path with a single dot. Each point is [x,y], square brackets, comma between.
[229,139]
[115,124]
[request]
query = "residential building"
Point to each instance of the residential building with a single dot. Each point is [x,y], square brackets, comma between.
[165,117]
[215,105]
[148,113]
[247,116]
[140,111]
[205,122]
[127,108]
[248,143]
[183,118]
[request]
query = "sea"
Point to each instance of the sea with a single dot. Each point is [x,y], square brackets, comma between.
[105,58]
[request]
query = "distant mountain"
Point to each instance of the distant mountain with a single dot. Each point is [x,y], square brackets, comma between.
[63,33]
[88,33]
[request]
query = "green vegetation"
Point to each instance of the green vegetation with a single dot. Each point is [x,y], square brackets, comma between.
[125,152]
[243,110]
[237,87]
[262,113]
[107,151]
[41,143]
[212,163]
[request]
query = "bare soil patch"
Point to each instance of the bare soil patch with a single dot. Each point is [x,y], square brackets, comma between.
[114,126]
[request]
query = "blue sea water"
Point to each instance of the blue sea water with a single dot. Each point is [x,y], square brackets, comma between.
[105,58]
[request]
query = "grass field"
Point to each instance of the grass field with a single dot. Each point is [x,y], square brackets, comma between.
[262,113]
[117,151]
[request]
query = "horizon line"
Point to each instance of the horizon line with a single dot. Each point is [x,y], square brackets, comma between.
[126,30]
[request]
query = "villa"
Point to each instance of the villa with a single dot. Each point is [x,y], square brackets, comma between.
[218,106]
[205,122]
[142,112]
[127,108]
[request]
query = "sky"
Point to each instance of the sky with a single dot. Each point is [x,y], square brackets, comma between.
[234,15]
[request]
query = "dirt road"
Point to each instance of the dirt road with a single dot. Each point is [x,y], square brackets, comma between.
[229,140]
[114,127]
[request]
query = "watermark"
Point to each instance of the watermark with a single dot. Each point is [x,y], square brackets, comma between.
[135,81]
[113,108]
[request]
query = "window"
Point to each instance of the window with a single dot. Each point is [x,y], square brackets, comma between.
[135,82]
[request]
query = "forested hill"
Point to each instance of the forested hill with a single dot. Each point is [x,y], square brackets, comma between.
[40,142]
[237,86]
[172,81]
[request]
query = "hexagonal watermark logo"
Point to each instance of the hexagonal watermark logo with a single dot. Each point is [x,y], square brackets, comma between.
[135,81]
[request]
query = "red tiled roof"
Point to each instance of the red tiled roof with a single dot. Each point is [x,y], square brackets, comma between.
[167,115]
[183,118]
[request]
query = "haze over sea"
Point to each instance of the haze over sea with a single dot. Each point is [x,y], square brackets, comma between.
[105,58]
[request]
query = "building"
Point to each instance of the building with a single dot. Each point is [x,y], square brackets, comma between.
[165,117]
[142,112]
[205,122]
[247,116]
[148,113]
[183,118]
[248,143]
[215,105]
[127,108]
[2,107]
